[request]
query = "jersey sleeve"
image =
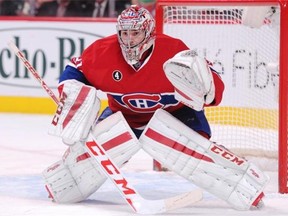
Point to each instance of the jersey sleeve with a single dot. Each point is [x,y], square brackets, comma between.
[219,88]
[73,73]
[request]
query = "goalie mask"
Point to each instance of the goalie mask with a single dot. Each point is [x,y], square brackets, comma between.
[135,28]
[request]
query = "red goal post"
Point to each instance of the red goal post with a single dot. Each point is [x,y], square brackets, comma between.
[247,42]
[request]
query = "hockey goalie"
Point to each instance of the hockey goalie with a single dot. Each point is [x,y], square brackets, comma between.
[157,91]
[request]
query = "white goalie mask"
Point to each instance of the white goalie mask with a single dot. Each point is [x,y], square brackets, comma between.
[135,28]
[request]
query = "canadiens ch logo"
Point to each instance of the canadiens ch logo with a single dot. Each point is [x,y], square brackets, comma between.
[117,75]
[145,103]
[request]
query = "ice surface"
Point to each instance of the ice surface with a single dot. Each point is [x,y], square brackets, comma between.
[26,150]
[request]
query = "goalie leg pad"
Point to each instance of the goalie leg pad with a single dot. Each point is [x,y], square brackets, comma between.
[74,178]
[78,175]
[202,162]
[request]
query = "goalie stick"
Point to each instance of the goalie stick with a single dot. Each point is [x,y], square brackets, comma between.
[128,192]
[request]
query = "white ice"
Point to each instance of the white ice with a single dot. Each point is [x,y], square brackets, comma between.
[26,149]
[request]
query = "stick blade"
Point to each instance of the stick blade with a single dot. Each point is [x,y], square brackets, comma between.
[145,207]
[183,200]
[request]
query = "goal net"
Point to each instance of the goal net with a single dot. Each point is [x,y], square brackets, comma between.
[243,43]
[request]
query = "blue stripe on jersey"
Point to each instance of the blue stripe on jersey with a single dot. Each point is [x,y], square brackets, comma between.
[72,73]
[133,99]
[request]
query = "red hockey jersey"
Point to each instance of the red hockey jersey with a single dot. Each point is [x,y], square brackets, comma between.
[136,93]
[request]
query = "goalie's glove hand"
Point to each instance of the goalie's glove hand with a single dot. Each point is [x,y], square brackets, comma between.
[192,79]
[76,112]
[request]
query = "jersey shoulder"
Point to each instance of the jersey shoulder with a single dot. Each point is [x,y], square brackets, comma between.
[167,40]
[103,47]
[168,47]
[101,44]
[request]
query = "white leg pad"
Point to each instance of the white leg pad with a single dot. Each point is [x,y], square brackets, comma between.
[73,178]
[202,162]
[77,175]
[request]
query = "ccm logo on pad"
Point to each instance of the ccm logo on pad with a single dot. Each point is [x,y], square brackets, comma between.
[227,155]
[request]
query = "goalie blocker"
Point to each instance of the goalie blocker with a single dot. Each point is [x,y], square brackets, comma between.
[206,164]
[76,112]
